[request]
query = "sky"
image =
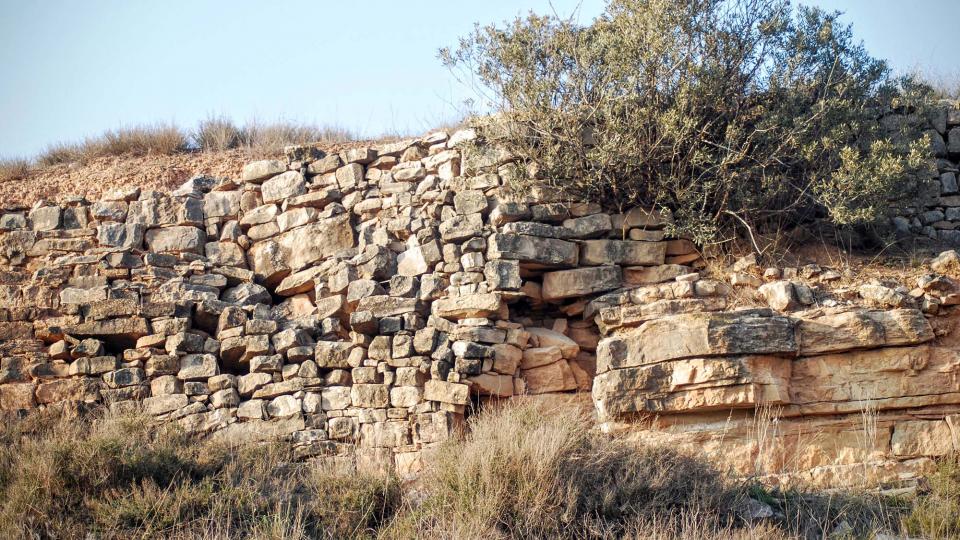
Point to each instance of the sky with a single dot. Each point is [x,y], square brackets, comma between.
[73,68]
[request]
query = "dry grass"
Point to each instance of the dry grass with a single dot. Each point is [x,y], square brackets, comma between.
[14,169]
[214,134]
[67,476]
[521,472]
[162,139]
[937,514]
[219,133]
[527,472]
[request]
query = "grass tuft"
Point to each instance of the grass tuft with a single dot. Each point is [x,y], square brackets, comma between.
[158,139]
[219,133]
[14,169]
[937,513]
[528,472]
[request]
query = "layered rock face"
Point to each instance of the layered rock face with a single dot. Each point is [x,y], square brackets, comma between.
[856,392]
[360,305]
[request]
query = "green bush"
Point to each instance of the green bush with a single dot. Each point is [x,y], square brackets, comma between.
[723,111]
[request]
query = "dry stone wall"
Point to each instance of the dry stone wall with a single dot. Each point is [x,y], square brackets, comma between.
[355,303]
[936,213]
[360,305]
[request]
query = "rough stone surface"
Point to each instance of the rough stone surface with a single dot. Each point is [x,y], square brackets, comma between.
[359,306]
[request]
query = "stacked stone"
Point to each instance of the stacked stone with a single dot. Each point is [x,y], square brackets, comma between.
[937,214]
[360,304]
[357,303]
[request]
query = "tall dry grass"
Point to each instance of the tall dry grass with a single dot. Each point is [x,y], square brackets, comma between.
[67,476]
[936,514]
[159,139]
[213,134]
[522,471]
[529,472]
[14,169]
[219,133]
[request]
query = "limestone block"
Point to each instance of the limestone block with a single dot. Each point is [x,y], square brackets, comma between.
[405,396]
[647,219]
[923,438]
[285,185]
[218,204]
[592,226]
[284,407]
[555,377]
[176,239]
[16,396]
[225,254]
[258,171]
[370,395]
[625,252]
[536,251]
[332,354]
[274,259]
[749,332]
[121,235]
[387,306]
[780,295]
[198,367]
[579,282]
[889,378]
[468,306]
[446,392]
[693,385]
[45,218]
[492,384]
[122,332]
[544,337]
[158,405]
[80,389]
[858,329]
[418,260]
[461,227]
[646,275]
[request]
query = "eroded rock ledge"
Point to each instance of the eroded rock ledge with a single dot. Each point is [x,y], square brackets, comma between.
[360,305]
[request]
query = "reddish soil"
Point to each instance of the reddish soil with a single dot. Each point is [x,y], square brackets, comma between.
[93,178]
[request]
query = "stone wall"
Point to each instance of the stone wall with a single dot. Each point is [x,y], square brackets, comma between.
[936,215]
[360,305]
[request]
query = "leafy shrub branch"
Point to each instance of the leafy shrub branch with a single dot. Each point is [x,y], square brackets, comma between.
[723,111]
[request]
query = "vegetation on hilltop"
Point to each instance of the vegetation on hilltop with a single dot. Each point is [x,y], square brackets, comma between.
[727,112]
[213,134]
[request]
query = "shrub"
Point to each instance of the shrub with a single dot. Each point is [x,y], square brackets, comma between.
[723,111]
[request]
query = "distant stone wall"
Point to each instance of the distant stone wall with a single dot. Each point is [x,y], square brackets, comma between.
[936,214]
[361,305]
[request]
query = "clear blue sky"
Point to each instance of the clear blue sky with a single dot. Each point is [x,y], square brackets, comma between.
[73,68]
